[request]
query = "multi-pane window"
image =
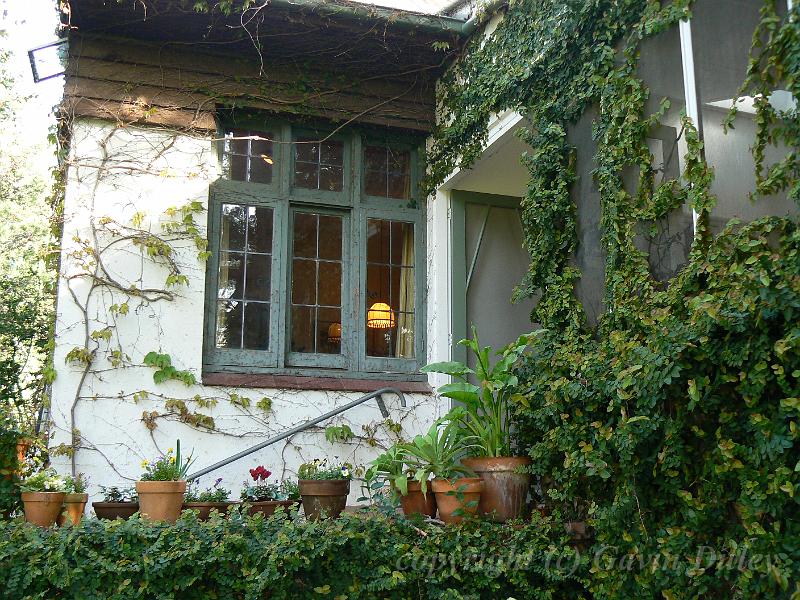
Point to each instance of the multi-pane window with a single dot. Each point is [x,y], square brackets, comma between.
[387,172]
[243,283]
[316,306]
[248,156]
[390,289]
[314,283]
[319,165]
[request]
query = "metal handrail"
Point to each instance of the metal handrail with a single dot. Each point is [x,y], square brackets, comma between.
[307,425]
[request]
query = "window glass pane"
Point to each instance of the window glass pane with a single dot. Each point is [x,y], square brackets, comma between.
[330,237]
[316,283]
[248,155]
[390,289]
[331,178]
[258,276]
[244,277]
[305,235]
[722,32]
[319,165]
[303,329]
[387,172]
[256,326]
[306,175]
[304,281]
[259,229]
[233,225]
[231,275]
[229,324]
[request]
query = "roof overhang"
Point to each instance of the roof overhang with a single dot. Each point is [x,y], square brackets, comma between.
[339,34]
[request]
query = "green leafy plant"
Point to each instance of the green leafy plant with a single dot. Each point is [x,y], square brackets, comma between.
[46,480]
[215,493]
[437,453]
[165,371]
[117,494]
[319,469]
[169,467]
[486,410]
[338,434]
[389,467]
[77,484]
[363,559]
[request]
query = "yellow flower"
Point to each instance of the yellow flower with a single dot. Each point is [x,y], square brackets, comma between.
[172,460]
[145,463]
[169,451]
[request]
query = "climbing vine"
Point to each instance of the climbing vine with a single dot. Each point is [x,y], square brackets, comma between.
[672,425]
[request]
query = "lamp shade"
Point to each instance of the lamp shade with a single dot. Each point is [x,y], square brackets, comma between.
[380,316]
[335,333]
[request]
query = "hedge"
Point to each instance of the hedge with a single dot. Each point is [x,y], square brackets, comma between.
[355,556]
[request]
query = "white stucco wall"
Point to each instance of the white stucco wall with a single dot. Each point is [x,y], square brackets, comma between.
[114,173]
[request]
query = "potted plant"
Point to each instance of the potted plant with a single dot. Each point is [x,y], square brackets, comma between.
[437,454]
[42,496]
[212,498]
[390,467]
[264,497]
[75,500]
[485,413]
[162,486]
[118,503]
[323,488]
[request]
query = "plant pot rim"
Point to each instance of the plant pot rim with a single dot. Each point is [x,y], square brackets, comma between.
[170,484]
[324,487]
[496,463]
[41,496]
[76,497]
[222,503]
[103,504]
[446,485]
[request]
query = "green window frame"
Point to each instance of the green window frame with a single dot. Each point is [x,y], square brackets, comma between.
[356,210]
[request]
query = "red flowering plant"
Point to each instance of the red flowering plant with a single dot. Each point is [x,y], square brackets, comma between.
[259,490]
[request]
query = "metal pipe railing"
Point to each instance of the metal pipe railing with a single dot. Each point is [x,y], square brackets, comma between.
[377,394]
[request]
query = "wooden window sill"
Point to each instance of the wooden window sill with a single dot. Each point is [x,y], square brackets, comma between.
[301,382]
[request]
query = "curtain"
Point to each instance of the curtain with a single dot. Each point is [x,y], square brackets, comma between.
[404,347]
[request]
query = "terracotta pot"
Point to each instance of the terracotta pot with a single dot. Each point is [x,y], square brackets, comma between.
[415,503]
[268,507]
[74,505]
[324,498]
[204,508]
[160,500]
[504,491]
[42,508]
[448,503]
[115,510]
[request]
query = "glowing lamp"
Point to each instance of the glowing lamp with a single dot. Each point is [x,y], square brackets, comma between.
[335,333]
[380,316]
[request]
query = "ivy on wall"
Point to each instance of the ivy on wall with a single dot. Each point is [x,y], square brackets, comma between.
[671,426]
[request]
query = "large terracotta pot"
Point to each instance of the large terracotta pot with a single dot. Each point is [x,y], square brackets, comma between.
[204,508]
[448,502]
[115,510]
[504,490]
[42,508]
[160,500]
[268,507]
[74,505]
[415,503]
[324,498]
